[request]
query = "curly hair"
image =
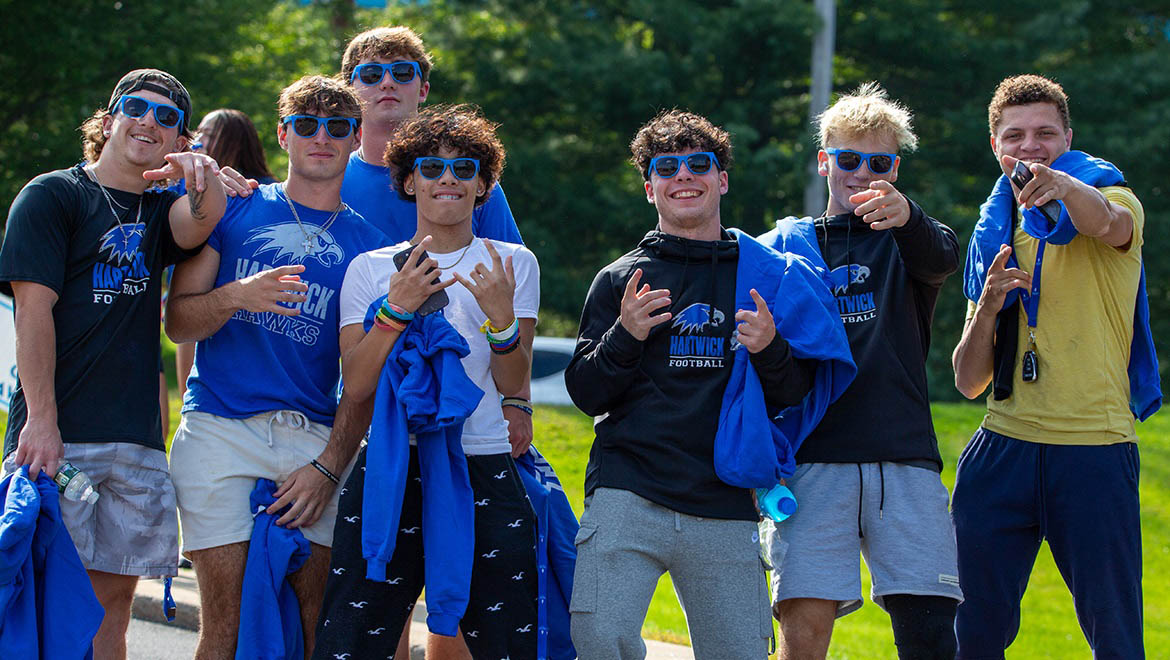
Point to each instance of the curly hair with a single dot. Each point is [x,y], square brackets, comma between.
[675,131]
[867,111]
[93,136]
[1025,89]
[386,43]
[461,128]
[319,95]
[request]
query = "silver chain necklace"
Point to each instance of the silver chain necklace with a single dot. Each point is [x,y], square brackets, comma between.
[111,202]
[310,238]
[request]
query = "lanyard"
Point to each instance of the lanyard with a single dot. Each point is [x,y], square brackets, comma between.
[1032,301]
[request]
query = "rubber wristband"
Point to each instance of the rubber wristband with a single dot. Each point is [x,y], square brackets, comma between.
[517,402]
[505,350]
[503,336]
[396,312]
[325,471]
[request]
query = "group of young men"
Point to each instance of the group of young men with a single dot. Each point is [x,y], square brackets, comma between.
[806,346]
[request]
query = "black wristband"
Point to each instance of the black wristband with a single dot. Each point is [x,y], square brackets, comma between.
[325,471]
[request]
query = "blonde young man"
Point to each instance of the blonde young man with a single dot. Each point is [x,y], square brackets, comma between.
[83,254]
[261,300]
[867,479]
[1053,326]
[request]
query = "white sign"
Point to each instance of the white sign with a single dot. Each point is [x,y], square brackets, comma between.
[7,352]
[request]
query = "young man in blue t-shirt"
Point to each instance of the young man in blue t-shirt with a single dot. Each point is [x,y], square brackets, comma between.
[261,301]
[83,254]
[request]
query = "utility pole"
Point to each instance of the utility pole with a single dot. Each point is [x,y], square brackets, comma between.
[815,195]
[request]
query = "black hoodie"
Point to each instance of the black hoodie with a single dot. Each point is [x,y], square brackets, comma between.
[660,398]
[886,283]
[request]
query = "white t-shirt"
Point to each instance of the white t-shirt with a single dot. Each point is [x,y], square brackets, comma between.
[368,278]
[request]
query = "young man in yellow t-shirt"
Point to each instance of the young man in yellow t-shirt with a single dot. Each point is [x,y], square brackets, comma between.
[1056,456]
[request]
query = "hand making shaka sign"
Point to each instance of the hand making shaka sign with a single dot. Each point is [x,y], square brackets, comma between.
[494,288]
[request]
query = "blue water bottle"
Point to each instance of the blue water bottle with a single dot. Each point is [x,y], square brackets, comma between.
[777,503]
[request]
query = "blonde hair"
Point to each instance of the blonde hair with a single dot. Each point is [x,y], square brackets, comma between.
[867,111]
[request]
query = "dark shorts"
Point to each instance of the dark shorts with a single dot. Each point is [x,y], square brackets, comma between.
[500,620]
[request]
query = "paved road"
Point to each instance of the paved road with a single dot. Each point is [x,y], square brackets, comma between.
[154,641]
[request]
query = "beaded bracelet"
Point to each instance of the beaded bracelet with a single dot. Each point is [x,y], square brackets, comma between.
[517,402]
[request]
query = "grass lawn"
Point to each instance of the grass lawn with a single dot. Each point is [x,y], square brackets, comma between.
[1049,628]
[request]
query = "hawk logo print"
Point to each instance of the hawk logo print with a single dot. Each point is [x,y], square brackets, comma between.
[842,276]
[123,241]
[288,240]
[696,317]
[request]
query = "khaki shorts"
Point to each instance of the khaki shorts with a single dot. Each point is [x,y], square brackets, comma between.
[215,462]
[131,529]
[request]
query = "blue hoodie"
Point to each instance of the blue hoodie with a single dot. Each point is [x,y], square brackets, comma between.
[48,609]
[994,230]
[556,555]
[423,390]
[270,616]
[806,315]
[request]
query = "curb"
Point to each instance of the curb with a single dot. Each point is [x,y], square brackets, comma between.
[148,598]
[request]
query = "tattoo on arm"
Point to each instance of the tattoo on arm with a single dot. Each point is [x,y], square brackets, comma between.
[195,198]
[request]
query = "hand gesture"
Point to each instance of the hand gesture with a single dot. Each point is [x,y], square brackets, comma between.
[493,288]
[411,286]
[1001,279]
[882,206]
[236,184]
[308,491]
[639,304]
[1046,185]
[756,329]
[193,167]
[264,291]
[39,447]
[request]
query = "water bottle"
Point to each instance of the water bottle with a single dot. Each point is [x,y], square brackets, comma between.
[75,484]
[777,502]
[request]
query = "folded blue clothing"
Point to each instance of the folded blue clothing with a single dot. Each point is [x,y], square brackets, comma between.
[994,230]
[48,610]
[423,391]
[806,316]
[270,616]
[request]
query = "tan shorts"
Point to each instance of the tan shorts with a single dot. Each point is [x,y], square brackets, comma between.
[215,462]
[131,529]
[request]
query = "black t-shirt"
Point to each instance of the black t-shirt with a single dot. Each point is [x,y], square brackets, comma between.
[107,273]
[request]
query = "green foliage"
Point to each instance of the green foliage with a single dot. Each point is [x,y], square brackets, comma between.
[571,81]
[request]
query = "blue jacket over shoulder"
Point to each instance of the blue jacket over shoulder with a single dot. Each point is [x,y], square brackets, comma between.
[806,316]
[423,391]
[48,609]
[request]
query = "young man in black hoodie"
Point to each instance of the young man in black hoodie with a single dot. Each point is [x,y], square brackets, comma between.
[867,478]
[653,359]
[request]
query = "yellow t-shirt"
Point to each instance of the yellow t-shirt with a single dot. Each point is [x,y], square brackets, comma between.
[1083,337]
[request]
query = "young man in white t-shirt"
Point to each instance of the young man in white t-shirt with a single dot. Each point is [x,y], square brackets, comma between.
[446,161]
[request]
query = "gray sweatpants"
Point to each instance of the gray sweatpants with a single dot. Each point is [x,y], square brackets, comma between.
[625,545]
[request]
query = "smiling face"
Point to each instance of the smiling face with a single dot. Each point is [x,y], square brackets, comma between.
[842,184]
[389,102]
[316,158]
[142,142]
[687,203]
[1033,133]
[447,200]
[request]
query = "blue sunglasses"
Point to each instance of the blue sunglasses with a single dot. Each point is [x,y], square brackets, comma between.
[135,107]
[432,167]
[307,126]
[402,71]
[697,163]
[850,160]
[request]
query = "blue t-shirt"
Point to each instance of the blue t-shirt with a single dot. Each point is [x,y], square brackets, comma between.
[258,362]
[368,190]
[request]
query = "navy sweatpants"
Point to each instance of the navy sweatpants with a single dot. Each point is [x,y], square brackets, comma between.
[1009,496]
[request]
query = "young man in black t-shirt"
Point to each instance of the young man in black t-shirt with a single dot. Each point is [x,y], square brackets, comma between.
[83,256]
[867,478]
